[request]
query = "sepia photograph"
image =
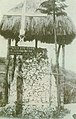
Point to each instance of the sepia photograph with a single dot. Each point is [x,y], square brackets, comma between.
[37,59]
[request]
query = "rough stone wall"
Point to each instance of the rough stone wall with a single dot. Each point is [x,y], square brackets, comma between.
[37,82]
[36,78]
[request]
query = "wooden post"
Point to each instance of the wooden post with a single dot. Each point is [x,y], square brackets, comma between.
[19,96]
[7,69]
[19,90]
[36,43]
[14,63]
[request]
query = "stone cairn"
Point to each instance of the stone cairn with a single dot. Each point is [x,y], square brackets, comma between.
[33,90]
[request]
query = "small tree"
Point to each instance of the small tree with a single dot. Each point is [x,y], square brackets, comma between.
[55,8]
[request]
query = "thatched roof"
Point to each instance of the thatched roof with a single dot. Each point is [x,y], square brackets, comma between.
[40,28]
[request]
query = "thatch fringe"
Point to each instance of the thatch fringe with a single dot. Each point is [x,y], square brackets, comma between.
[40,28]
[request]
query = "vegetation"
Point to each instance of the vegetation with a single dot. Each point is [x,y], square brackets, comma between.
[69,85]
[2,60]
[47,7]
[58,9]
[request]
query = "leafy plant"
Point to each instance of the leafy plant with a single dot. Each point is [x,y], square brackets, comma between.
[56,8]
[47,7]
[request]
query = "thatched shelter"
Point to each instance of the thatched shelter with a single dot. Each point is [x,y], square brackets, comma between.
[39,28]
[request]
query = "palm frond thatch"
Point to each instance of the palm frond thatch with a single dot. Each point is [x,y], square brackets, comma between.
[40,28]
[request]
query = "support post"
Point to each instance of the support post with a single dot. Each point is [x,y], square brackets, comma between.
[19,89]
[36,42]
[14,62]
[7,69]
[58,52]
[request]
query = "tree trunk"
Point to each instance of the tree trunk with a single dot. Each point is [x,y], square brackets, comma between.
[7,69]
[63,82]
[63,57]
[57,64]
[58,52]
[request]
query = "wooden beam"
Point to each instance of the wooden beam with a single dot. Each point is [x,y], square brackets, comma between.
[26,15]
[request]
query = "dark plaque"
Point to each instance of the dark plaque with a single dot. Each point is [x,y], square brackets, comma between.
[19,50]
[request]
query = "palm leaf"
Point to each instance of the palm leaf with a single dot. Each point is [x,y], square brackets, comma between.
[45,11]
[48,7]
[46,3]
[61,13]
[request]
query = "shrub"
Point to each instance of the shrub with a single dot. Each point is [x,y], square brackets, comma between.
[8,111]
